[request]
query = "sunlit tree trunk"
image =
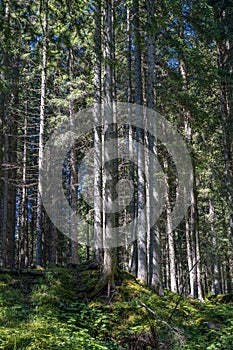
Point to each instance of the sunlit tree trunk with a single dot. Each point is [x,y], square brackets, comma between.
[73,170]
[98,205]
[192,225]
[132,265]
[215,284]
[109,175]
[154,268]
[39,224]
[171,243]
[141,237]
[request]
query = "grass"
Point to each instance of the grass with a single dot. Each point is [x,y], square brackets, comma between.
[54,312]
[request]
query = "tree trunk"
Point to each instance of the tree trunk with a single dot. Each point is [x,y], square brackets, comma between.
[73,171]
[39,226]
[224,19]
[215,283]
[109,175]
[23,259]
[9,149]
[98,205]
[141,237]
[171,243]
[197,240]
[154,271]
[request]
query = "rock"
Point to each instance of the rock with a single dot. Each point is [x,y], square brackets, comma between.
[212,325]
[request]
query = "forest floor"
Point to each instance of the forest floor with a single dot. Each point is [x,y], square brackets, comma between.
[53,311]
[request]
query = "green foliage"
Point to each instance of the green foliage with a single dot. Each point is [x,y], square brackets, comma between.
[48,313]
[48,317]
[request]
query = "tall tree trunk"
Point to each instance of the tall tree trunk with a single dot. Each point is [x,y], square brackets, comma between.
[98,205]
[192,235]
[132,265]
[197,239]
[190,255]
[39,229]
[215,283]
[171,243]
[129,57]
[141,236]
[9,146]
[137,54]
[23,259]
[109,175]
[5,142]
[154,271]
[73,171]
[189,219]
[224,18]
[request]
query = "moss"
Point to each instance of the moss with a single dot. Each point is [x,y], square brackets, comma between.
[47,313]
[89,280]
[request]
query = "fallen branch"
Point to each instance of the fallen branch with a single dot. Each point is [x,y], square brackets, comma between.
[157,316]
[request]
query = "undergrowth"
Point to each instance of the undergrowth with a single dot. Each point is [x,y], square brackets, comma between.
[54,312]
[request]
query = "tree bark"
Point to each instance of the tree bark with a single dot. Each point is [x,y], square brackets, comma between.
[224,19]
[109,175]
[98,204]
[39,225]
[73,171]
[9,147]
[141,237]
[154,268]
